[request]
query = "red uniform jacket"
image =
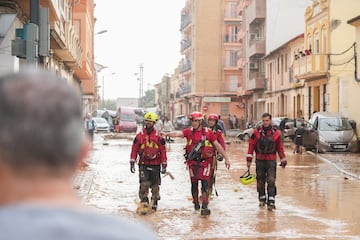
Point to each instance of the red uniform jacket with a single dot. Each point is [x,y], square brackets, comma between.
[271,133]
[150,148]
[219,137]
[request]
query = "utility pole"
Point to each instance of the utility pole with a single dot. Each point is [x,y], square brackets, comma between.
[103,92]
[141,85]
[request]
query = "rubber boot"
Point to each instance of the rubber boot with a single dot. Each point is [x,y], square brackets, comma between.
[271,205]
[205,211]
[196,206]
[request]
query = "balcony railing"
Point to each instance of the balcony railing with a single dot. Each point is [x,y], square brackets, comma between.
[256,11]
[71,53]
[256,47]
[256,81]
[185,21]
[315,64]
[57,32]
[185,67]
[185,44]
[230,38]
[185,89]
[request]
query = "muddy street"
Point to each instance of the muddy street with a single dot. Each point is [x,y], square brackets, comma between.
[314,201]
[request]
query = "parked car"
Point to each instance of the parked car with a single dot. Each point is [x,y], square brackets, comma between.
[327,131]
[181,122]
[288,132]
[101,125]
[126,120]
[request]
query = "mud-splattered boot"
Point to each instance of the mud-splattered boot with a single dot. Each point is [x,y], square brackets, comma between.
[196,206]
[154,205]
[271,205]
[144,209]
[262,204]
[205,211]
[262,201]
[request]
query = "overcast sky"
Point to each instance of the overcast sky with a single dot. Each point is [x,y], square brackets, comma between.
[139,31]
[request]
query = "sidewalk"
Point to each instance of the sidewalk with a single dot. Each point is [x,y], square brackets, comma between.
[347,163]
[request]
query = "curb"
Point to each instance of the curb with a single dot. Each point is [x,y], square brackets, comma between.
[357,177]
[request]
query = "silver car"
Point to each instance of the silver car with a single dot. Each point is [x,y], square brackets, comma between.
[246,134]
[101,125]
[327,131]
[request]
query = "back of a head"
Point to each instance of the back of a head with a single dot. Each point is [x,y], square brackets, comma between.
[40,121]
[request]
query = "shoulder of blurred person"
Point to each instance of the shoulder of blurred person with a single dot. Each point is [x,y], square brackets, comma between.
[42,145]
[43,223]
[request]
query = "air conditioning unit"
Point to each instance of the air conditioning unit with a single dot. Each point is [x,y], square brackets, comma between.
[253,36]
[253,65]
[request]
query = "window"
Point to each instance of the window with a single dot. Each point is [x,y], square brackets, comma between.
[286,62]
[233,83]
[224,109]
[323,41]
[309,42]
[316,42]
[233,58]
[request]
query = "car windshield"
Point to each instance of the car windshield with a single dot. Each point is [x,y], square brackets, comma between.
[100,120]
[128,117]
[334,124]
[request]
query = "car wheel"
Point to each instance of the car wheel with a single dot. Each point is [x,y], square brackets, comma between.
[246,137]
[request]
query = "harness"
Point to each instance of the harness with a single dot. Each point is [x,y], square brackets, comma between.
[265,144]
[200,151]
[149,148]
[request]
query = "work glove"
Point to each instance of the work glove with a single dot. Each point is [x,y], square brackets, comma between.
[163,168]
[283,163]
[132,166]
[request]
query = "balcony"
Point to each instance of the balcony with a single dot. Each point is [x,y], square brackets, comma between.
[256,12]
[232,16]
[185,89]
[185,44]
[57,32]
[256,81]
[257,47]
[186,66]
[229,88]
[185,21]
[70,54]
[310,66]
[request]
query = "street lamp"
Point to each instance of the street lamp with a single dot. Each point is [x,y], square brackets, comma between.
[141,84]
[101,32]
[103,90]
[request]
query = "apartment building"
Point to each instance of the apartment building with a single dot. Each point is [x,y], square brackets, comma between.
[209,75]
[325,64]
[83,22]
[354,88]
[70,40]
[254,28]
[283,94]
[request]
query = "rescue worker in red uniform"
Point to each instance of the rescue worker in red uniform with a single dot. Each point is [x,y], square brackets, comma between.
[216,129]
[266,142]
[199,153]
[149,151]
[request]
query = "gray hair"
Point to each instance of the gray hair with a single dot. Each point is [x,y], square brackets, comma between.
[40,121]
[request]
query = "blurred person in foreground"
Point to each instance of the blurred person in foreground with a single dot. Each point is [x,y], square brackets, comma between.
[42,143]
[266,142]
[199,152]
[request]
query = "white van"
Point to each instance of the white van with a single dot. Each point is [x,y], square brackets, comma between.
[330,131]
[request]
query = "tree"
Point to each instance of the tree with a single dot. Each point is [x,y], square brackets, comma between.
[110,104]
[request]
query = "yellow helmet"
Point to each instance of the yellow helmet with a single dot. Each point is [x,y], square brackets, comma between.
[247,178]
[150,116]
